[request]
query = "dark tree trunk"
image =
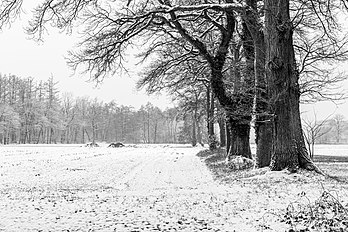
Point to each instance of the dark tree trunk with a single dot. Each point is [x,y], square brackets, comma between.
[193,136]
[238,125]
[217,63]
[210,119]
[263,140]
[263,125]
[155,133]
[228,138]
[289,149]
[199,133]
[240,111]
[240,136]
[222,126]
[211,114]
[148,127]
[281,73]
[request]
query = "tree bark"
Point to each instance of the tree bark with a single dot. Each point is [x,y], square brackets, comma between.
[238,125]
[199,133]
[210,119]
[222,126]
[263,125]
[217,63]
[289,150]
[193,137]
[240,108]
[240,136]
[228,139]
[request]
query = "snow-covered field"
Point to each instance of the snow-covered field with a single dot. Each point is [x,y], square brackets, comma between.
[323,149]
[139,188]
[332,150]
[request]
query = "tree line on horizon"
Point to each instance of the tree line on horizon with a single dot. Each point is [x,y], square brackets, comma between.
[37,112]
[34,112]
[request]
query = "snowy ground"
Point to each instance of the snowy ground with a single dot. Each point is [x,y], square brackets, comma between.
[141,188]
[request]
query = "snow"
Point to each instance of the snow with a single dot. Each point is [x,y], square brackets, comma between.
[332,150]
[323,149]
[139,188]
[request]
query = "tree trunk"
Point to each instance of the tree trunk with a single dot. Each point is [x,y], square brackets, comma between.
[40,133]
[263,125]
[93,133]
[51,134]
[148,127]
[155,133]
[238,125]
[222,126]
[88,137]
[228,138]
[199,133]
[210,119]
[238,122]
[216,63]
[240,135]
[193,138]
[289,149]
[239,108]
[83,134]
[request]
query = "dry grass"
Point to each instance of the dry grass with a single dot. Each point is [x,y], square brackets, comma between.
[216,162]
[334,166]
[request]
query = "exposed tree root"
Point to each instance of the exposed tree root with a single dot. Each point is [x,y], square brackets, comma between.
[308,164]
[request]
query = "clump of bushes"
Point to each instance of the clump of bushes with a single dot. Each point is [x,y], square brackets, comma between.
[116,144]
[213,142]
[92,144]
[327,213]
[240,163]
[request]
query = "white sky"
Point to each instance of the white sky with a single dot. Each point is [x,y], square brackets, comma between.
[24,58]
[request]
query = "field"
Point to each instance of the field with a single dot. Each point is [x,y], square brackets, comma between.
[164,188]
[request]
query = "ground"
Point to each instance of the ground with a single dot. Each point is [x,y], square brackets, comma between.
[153,188]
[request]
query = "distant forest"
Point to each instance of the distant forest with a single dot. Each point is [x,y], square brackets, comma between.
[38,112]
[332,130]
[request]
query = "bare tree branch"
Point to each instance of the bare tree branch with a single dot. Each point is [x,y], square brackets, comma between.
[9,11]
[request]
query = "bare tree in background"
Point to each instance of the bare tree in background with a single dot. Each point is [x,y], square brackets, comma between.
[320,47]
[338,126]
[313,130]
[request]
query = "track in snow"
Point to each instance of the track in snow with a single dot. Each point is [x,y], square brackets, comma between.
[139,188]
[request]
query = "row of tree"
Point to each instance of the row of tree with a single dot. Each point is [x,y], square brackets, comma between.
[258,58]
[37,112]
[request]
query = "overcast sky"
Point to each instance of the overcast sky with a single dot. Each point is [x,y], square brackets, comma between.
[23,57]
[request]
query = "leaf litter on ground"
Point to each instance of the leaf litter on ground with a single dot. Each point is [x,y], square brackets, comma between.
[309,201]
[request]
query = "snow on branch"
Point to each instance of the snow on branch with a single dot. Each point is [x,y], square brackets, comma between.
[218,7]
